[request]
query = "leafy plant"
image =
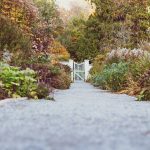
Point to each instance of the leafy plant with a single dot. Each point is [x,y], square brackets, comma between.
[42,91]
[16,82]
[113,77]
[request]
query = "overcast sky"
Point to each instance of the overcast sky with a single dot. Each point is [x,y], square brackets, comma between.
[66,3]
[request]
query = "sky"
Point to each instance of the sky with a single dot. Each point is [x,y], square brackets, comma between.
[66,3]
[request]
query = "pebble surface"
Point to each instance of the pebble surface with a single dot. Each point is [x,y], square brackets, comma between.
[81,118]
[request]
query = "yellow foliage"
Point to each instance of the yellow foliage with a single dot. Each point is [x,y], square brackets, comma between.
[59,51]
[18,12]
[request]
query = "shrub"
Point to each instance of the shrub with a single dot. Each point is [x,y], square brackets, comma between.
[98,80]
[144,80]
[144,95]
[62,81]
[58,51]
[40,58]
[13,39]
[45,72]
[144,84]
[139,67]
[3,93]
[97,64]
[66,68]
[57,76]
[55,70]
[16,82]
[41,92]
[20,83]
[113,77]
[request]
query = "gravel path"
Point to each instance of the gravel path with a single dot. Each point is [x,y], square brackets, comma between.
[82,118]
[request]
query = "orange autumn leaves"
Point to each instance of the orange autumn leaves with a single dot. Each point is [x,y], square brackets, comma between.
[26,16]
[58,51]
[22,13]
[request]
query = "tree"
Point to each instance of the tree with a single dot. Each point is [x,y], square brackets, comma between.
[50,15]
[27,26]
[119,23]
[22,13]
[15,27]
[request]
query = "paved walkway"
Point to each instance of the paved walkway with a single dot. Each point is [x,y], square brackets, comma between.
[82,118]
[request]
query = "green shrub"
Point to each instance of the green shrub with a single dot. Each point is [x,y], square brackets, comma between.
[41,92]
[55,70]
[20,83]
[16,82]
[112,77]
[98,80]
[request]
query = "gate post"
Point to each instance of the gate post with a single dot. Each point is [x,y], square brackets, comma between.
[87,68]
[71,64]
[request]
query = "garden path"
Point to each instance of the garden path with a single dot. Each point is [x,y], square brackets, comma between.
[81,118]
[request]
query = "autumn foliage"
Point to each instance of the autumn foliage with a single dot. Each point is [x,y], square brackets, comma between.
[22,13]
[28,32]
[58,51]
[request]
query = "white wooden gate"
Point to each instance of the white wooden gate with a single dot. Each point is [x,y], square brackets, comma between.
[80,71]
